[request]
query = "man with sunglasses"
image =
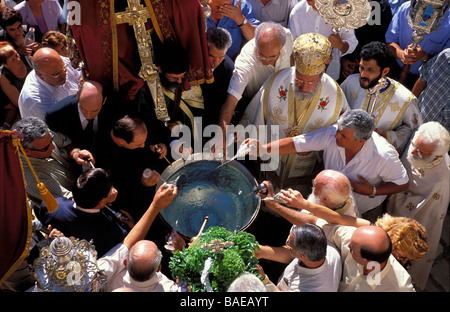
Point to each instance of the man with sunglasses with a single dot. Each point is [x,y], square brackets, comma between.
[52,80]
[48,154]
[427,197]
[298,100]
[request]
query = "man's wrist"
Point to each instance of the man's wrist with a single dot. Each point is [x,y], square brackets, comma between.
[243,22]
[74,152]
[374,192]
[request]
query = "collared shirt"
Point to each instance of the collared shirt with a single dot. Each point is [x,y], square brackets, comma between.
[235,31]
[117,275]
[400,32]
[377,161]
[324,278]
[58,172]
[37,98]
[273,11]
[304,19]
[249,73]
[392,278]
[84,121]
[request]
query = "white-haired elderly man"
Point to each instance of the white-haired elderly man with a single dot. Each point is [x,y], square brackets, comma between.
[427,197]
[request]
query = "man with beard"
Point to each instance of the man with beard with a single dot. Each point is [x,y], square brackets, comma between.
[182,106]
[427,198]
[298,100]
[393,106]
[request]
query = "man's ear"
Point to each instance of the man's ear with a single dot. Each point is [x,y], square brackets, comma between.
[385,71]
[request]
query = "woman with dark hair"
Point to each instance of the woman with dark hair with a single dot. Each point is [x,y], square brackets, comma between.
[12,76]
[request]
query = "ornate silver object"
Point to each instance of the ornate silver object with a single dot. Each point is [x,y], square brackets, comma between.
[350,14]
[68,265]
[375,92]
[425,16]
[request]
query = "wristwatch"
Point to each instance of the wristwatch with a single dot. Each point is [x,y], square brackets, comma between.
[243,23]
[374,192]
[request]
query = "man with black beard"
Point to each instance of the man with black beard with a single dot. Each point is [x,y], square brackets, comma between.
[183,101]
[427,197]
[392,105]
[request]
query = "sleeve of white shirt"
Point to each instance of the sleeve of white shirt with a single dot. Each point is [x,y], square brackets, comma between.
[316,140]
[349,37]
[112,262]
[243,70]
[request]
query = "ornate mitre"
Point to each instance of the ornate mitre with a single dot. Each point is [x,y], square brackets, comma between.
[311,53]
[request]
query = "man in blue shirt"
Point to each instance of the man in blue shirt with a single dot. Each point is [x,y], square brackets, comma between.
[237,17]
[399,40]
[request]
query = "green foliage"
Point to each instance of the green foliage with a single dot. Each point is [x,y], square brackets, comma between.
[187,264]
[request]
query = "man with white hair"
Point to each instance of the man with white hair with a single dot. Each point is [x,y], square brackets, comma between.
[264,55]
[333,190]
[298,100]
[427,197]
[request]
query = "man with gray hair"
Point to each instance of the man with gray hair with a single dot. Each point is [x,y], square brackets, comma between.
[267,53]
[427,197]
[214,94]
[352,147]
[48,154]
[316,266]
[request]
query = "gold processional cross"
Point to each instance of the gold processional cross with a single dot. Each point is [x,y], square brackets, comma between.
[137,15]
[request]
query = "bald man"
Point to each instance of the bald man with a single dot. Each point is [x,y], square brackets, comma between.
[52,79]
[135,263]
[333,190]
[82,117]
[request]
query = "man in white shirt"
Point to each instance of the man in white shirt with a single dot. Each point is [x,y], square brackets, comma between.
[353,148]
[52,79]
[261,57]
[135,263]
[273,10]
[314,264]
[304,19]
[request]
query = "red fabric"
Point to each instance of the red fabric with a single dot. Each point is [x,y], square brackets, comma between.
[14,217]
[180,20]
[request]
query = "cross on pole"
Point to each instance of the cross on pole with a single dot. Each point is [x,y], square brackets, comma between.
[137,15]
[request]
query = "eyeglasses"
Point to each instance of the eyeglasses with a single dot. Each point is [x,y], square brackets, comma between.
[43,150]
[263,58]
[57,73]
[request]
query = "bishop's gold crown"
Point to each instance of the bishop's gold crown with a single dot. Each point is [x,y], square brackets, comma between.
[311,53]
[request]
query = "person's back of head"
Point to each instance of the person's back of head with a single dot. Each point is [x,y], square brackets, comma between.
[91,187]
[143,261]
[435,134]
[9,17]
[373,243]
[32,128]
[407,235]
[310,240]
[334,186]
[247,282]
[220,37]
[360,121]
[125,127]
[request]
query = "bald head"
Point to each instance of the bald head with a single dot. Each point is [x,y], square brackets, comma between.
[370,243]
[90,98]
[269,40]
[143,260]
[332,188]
[49,66]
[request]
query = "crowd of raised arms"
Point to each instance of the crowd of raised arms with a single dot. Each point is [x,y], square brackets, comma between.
[353,155]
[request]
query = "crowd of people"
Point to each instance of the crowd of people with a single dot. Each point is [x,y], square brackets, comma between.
[358,121]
